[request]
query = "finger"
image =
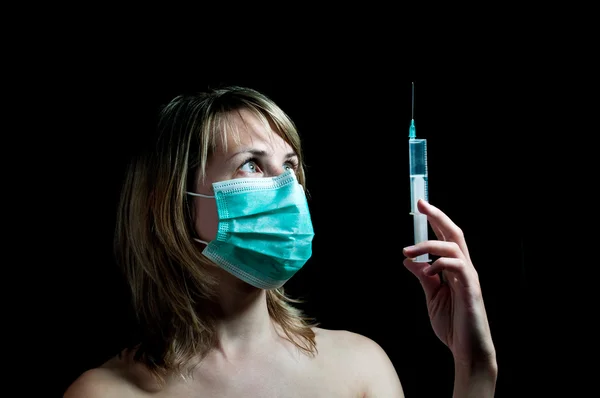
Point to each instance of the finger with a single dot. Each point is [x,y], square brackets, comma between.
[440,222]
[430,283]
[436,229]
[453,268]
[434,247]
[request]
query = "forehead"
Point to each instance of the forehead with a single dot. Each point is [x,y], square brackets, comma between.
[244,128]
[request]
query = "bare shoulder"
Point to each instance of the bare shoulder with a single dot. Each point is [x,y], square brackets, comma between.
[108,380]
[349,345]
[361,357]
[98,382]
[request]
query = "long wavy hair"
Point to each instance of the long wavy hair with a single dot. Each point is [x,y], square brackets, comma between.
[171,286]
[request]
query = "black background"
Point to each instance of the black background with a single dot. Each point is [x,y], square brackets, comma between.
[507,99]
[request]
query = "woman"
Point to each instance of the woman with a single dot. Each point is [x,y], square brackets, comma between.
[212,222]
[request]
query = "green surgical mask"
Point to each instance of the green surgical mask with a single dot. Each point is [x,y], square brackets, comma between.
[265,230]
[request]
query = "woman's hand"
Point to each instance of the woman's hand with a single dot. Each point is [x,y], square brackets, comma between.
[453,292]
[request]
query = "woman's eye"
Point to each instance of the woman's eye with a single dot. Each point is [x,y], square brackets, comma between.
[249,167]
[290,166]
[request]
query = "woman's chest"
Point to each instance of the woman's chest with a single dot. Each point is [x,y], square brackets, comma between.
[264,380]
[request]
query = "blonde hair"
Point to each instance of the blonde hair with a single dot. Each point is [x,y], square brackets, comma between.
[172,289]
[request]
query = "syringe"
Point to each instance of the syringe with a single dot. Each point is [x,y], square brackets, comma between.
[417,152]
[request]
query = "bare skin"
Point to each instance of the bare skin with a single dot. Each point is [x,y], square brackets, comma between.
[348,365]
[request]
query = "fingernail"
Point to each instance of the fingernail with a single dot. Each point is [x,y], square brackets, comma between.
[407,248]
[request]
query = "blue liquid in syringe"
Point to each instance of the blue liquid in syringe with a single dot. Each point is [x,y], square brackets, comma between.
[418,171]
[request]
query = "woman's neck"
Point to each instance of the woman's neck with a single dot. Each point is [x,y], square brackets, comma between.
[242,317]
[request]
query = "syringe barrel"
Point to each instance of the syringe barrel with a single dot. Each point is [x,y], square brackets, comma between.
[418,190]
[418,172]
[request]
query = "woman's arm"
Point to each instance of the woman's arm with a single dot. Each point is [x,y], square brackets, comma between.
[455,304]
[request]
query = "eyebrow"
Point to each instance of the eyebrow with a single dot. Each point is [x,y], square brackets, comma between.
[260,153]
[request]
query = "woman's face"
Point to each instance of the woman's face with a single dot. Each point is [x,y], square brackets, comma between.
[259,152]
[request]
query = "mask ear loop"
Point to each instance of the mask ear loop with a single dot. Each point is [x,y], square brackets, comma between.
[201,241]
[200,196]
